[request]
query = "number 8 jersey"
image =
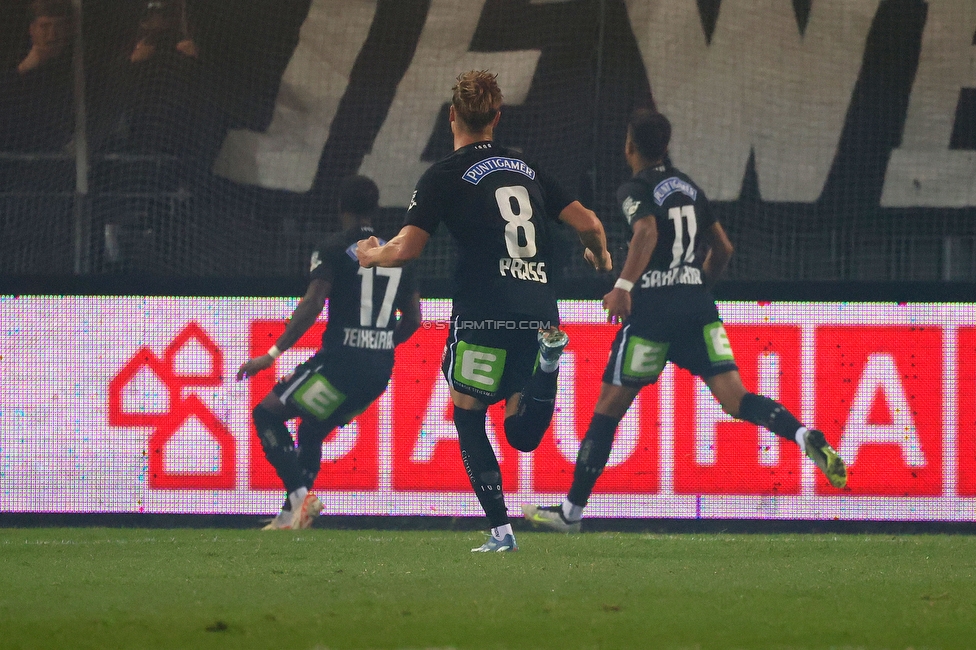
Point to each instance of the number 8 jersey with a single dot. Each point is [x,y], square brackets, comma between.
[683,216]
[500,210]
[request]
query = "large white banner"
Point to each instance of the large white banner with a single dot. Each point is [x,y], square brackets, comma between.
[766,82]
[129,404]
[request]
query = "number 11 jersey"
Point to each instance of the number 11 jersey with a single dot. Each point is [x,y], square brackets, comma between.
[500,210]
[683,215]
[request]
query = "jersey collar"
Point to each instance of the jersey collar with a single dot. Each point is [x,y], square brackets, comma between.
[477,146]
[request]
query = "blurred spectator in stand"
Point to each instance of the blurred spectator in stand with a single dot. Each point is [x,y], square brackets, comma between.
[164,81]
[171,116]
[36,97]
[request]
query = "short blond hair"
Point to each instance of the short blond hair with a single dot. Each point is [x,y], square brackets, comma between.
[477,98]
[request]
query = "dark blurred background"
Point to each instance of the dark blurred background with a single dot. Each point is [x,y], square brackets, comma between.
[130,197]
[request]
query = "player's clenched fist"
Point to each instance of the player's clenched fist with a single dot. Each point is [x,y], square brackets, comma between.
[602,263]
[363,247]
[253,366]
[618,305]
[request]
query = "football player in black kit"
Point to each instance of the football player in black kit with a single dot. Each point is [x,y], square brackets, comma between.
[677,252]
[504,343]
[353,366]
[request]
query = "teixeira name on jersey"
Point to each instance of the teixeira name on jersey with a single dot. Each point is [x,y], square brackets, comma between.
[355,337]
[522,270]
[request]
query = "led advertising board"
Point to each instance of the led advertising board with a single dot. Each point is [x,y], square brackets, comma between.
[129,405]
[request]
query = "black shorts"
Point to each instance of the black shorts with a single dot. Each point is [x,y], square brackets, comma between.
[334,388]
[491,360]
[678,326]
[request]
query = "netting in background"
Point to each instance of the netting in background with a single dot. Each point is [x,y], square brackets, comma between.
[37,172]
[217,132]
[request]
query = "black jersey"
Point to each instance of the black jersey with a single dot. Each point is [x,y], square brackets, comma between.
[500,210]
[683,215]
[363,302]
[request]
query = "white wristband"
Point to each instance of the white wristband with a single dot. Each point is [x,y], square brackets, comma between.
[274,352]
[626,285]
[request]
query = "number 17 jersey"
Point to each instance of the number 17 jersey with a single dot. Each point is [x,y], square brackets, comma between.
[500,210]
[363,302]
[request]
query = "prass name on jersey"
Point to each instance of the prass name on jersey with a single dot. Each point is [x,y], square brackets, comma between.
[522,270]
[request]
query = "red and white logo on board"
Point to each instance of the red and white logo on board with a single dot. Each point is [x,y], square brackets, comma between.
[716,454]
[879,403]
[191,360]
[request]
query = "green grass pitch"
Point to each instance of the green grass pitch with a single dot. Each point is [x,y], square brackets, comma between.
[179,588]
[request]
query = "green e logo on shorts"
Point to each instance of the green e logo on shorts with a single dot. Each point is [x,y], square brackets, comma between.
[644,359]
[717,342]
[479,366]
[318,397]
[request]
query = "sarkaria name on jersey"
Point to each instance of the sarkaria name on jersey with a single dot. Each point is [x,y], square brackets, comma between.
[671,277]
[522,270]
[368,339]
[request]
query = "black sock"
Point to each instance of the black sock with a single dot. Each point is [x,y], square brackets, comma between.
[770,414]
[310,440]
[278,447]
[309,462]
[525,429]
[480,464]
[592,458]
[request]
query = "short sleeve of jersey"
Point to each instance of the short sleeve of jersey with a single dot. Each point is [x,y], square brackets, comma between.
[557,198]
[428,204]
[322,264]
[635,200]
[706,217]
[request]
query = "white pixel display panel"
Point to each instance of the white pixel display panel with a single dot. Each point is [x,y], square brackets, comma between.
[129,404]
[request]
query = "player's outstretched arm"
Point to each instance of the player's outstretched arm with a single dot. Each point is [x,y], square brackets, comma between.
[406,246]
[617,302]
[590,230]
[409,319]
[719,254]
[302,318]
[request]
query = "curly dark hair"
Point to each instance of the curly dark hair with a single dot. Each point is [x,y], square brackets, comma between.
[358,195]
[650,132]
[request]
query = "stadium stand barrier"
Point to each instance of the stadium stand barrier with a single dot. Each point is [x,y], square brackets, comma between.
[223,160]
